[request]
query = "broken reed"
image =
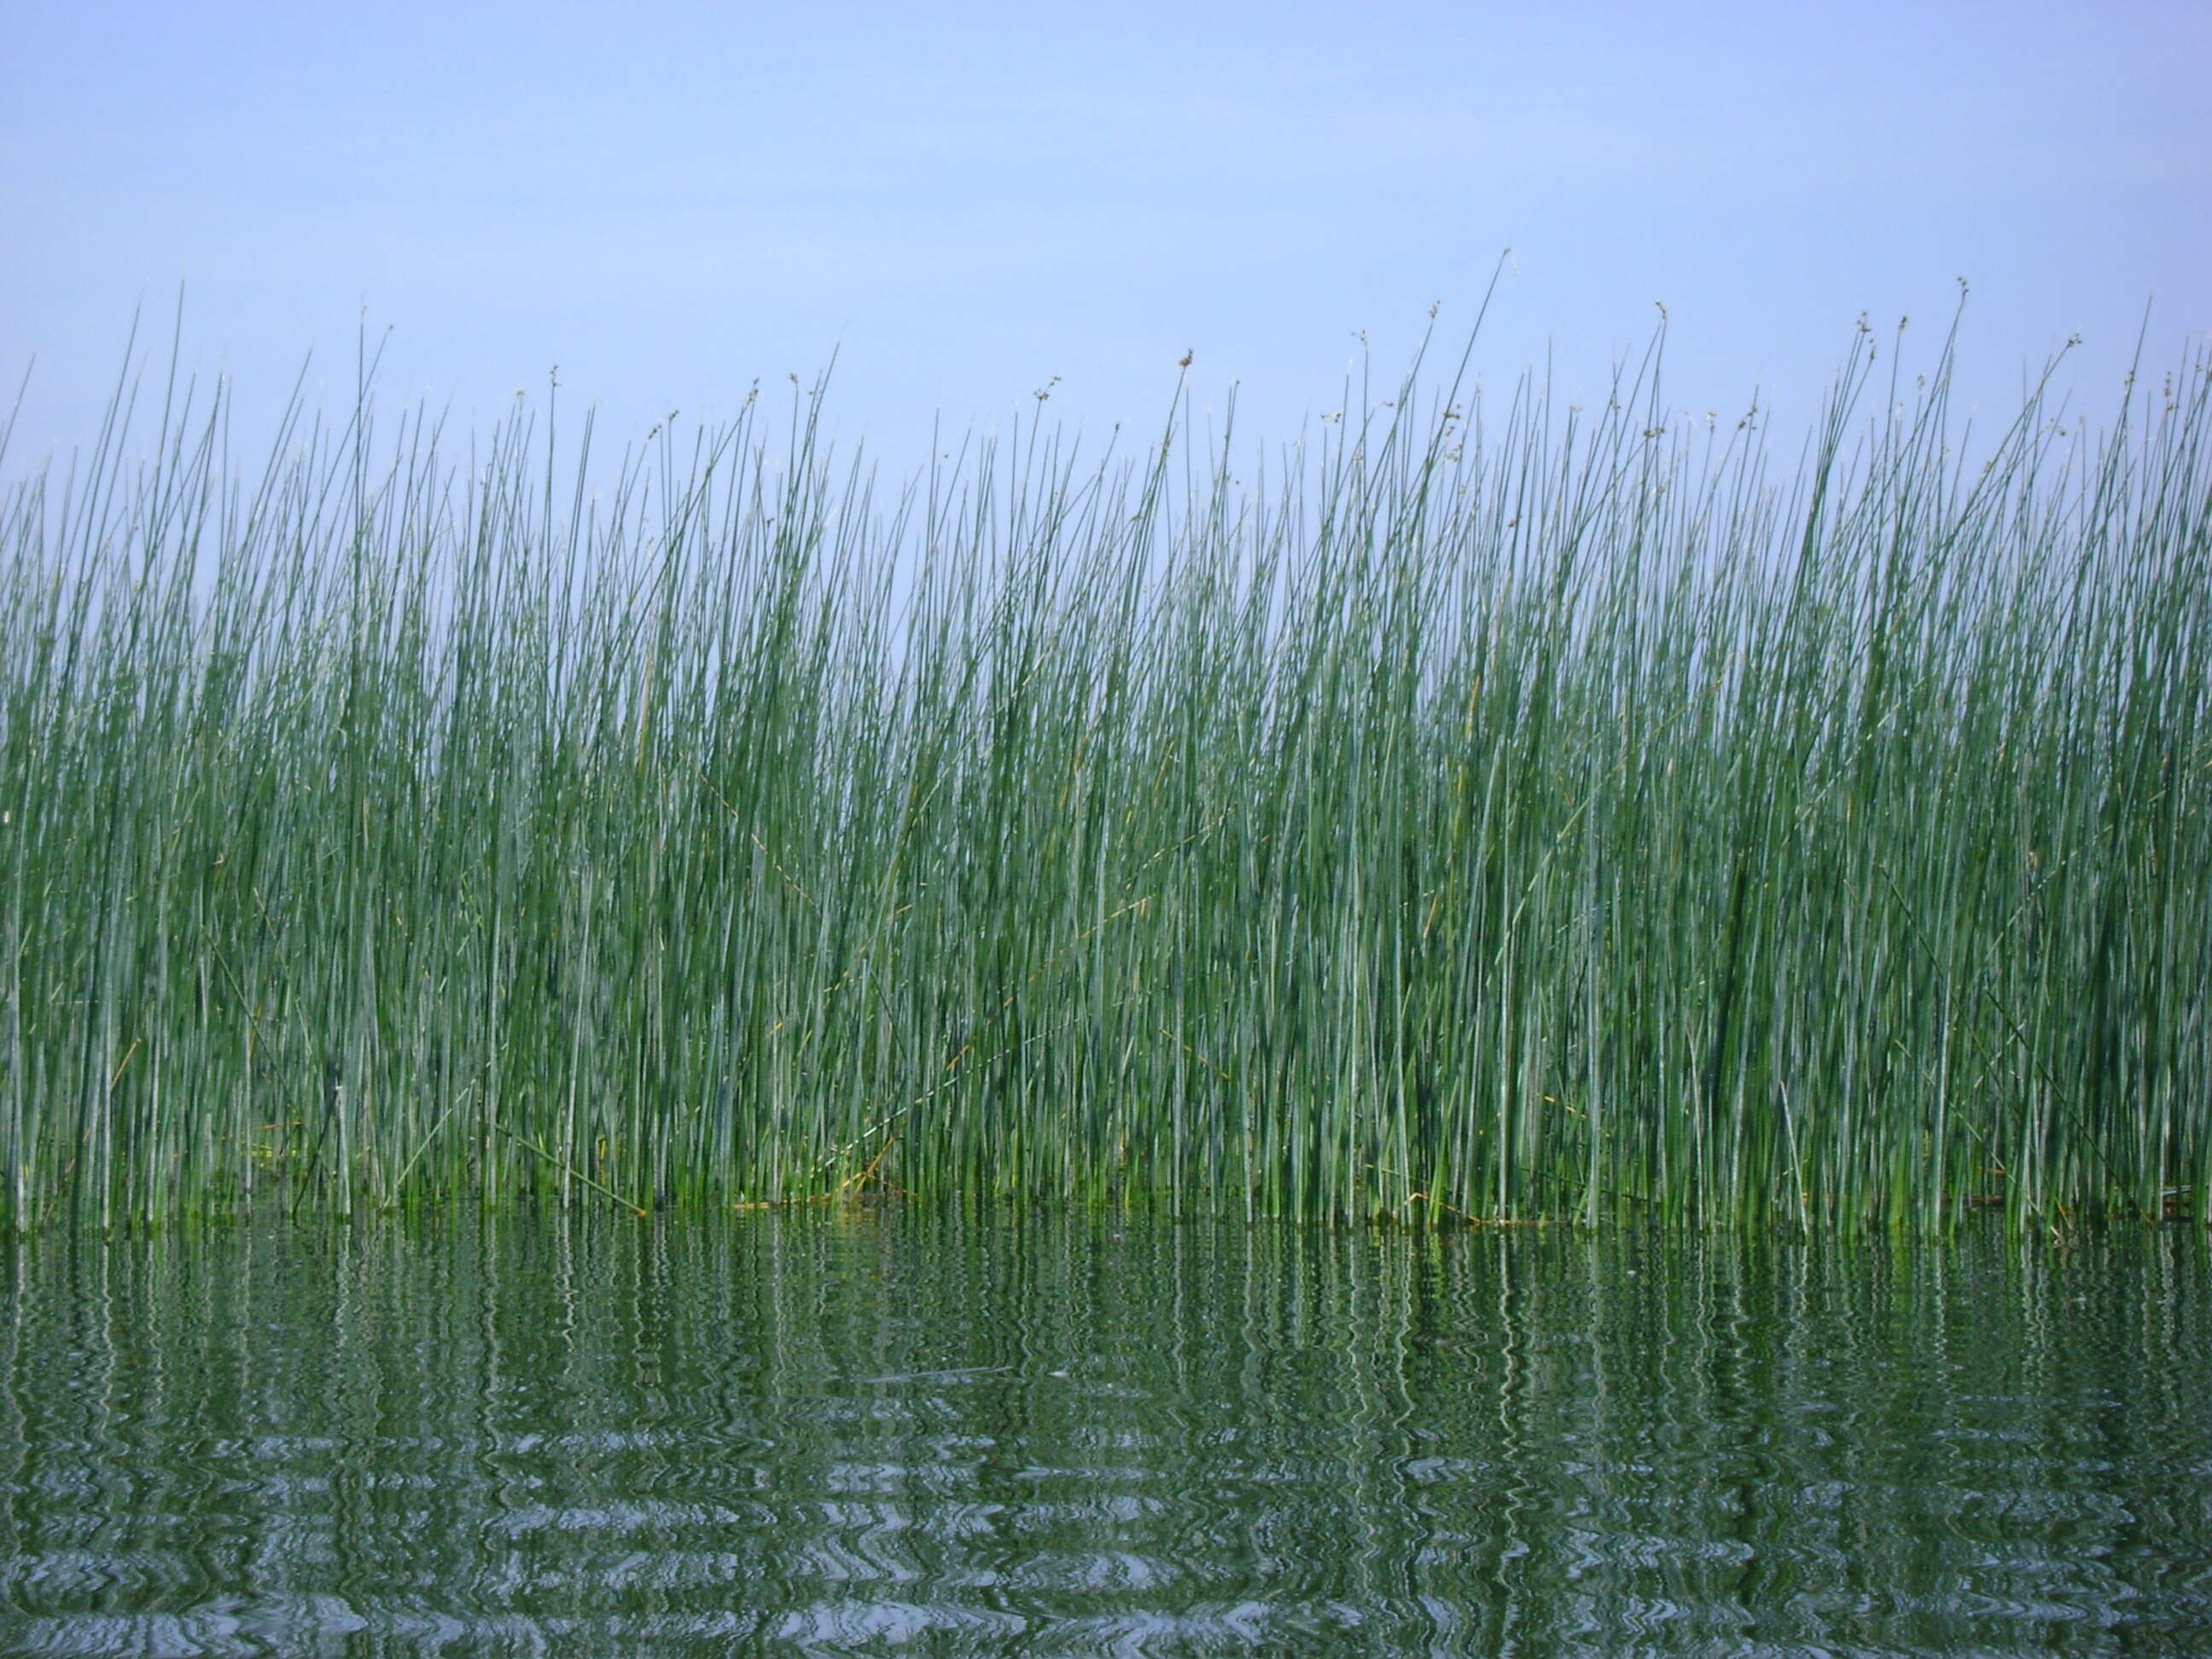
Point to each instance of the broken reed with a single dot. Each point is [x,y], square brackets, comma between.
[1495,812]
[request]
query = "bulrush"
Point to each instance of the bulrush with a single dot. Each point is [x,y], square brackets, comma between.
[1486,812]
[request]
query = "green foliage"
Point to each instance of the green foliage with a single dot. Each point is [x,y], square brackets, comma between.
[1492,813]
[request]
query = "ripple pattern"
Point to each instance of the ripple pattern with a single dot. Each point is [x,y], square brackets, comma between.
[894,1432]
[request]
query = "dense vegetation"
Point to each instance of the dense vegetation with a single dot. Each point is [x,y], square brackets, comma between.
[1480,810]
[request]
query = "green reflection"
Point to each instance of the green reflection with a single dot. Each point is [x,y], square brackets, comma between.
[888,1430]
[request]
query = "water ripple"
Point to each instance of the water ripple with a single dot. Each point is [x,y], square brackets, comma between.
[903,1433]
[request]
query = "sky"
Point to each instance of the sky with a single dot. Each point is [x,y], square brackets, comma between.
[964,205]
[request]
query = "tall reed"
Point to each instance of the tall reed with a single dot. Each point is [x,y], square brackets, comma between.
[1480,809]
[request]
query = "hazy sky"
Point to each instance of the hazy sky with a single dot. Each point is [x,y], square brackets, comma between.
[962,202]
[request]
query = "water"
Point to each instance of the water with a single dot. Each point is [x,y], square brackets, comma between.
[882,1432]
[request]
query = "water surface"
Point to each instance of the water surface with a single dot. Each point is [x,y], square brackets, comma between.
[884,1431]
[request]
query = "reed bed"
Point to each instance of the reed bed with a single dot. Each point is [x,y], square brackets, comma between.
[1480,810]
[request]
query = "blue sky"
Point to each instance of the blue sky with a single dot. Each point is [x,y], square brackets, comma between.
[961,202]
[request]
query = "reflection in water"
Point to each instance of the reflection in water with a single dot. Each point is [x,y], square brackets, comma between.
[887,1431]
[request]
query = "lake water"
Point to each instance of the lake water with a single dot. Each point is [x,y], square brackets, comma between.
[886,1431]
